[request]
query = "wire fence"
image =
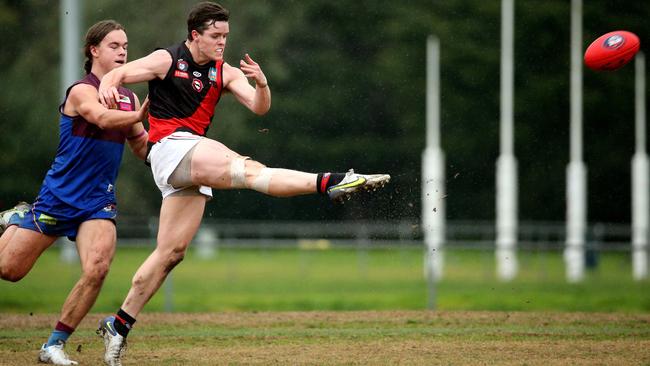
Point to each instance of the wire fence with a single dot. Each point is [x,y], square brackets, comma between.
[375,234]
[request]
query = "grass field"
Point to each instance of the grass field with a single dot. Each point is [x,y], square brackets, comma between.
[298,280]
[353,338]
[277,307]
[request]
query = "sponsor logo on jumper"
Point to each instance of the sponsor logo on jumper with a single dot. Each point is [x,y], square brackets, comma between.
[124,103]
[197,85]
[109,188]
[182,65]
[181,74]
[196,74]
[212,74]
[48,220]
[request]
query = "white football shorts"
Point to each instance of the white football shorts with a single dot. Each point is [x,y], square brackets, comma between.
[164,157]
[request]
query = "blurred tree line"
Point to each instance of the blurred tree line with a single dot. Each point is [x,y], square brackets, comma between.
[348,85]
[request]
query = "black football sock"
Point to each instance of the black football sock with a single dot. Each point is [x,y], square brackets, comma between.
[326,180]
[123,323]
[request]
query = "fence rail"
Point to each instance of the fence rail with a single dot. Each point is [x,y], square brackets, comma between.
[376,234]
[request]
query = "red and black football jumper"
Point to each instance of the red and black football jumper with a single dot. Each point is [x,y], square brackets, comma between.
[186,98]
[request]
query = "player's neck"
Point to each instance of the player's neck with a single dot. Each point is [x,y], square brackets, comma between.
[196,54]
[98,71]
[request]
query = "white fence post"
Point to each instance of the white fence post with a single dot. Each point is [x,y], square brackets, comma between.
[207,242]
[68,250]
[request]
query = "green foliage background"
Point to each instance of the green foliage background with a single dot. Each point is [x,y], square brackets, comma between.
[348,81]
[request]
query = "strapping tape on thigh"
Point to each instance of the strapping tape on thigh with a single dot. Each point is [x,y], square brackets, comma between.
[238,173]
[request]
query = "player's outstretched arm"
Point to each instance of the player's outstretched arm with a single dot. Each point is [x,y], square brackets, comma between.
[155,65]
[257,99]
[137,136]
[83,101]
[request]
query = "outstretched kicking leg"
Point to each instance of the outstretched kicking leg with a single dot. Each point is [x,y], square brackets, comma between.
[215,165]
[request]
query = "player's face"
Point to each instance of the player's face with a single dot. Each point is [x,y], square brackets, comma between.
[112,50]
[212,43]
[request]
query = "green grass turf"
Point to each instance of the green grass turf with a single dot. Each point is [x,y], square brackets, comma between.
[341,279]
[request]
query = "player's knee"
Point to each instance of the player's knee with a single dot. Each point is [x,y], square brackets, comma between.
[96,273]
[251,174]
[173,258]
[253,168]
[10,274]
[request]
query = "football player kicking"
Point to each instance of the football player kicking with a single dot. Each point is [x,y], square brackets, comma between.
[186,82]
[77,198]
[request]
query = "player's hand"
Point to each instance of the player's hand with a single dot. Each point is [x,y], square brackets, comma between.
[108,96]
[252,70]
[144,109]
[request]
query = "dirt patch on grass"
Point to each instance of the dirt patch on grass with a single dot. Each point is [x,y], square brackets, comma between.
[352,338]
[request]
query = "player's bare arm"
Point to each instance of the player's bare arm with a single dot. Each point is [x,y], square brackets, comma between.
[137,136]
[83,101]
[257,99]
[150,67]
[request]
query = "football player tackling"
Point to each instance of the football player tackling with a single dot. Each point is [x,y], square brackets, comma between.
[77,198]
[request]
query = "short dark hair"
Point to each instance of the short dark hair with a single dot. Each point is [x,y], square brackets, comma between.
[203,15]
[94,37]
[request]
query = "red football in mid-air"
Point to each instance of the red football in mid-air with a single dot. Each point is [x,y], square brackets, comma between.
[612,50]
